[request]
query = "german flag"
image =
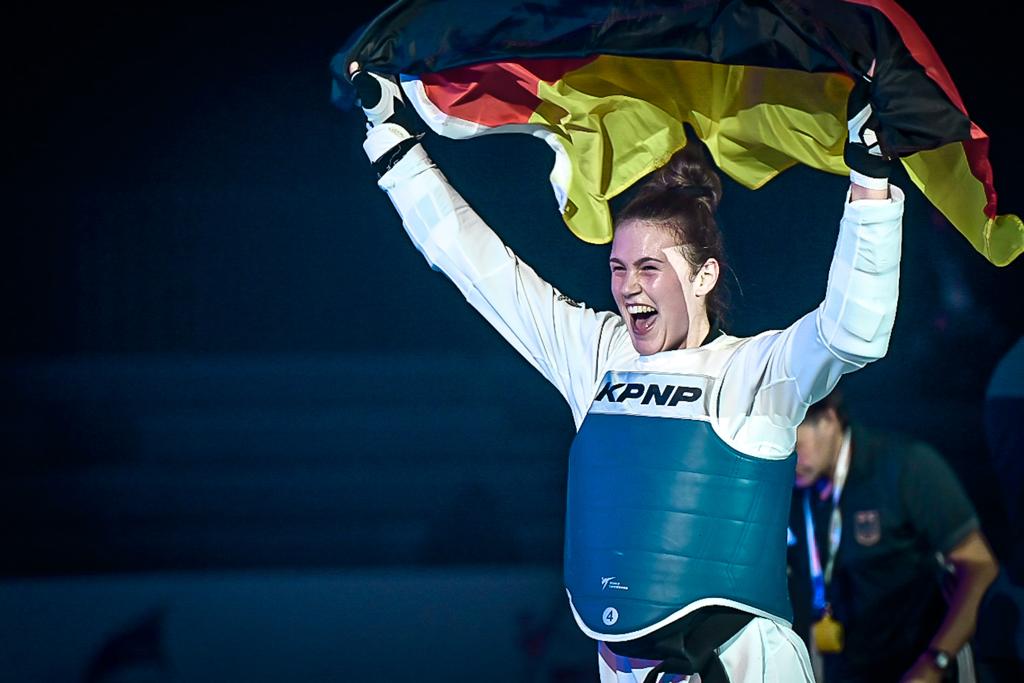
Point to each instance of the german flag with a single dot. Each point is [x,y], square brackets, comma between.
[764,84]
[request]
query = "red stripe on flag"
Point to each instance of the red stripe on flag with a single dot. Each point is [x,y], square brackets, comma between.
[495,93]
[921,49]
[976,150]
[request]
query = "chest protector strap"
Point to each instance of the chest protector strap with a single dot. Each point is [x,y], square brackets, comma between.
[688,646]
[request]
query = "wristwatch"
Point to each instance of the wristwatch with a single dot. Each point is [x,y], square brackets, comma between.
[940,658]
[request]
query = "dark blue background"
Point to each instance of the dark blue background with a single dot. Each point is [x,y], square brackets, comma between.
[185,206]
[221,352]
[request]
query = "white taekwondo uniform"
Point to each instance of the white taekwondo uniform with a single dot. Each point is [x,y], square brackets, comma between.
[756,389]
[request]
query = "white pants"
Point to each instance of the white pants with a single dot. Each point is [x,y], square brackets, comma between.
[762,652]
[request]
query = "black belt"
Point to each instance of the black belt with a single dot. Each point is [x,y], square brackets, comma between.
[688,646]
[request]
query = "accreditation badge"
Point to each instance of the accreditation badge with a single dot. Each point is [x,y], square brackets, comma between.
[828,635]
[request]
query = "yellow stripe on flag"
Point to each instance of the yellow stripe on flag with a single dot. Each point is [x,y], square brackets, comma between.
[622,117]
[945,178]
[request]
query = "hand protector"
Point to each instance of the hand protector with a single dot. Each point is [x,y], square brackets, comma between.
[870,165]
[393,128]
[378,96]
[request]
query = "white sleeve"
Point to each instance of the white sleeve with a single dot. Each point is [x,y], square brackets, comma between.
[566,341]
[774,377]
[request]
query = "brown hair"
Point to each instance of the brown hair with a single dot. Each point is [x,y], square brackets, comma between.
[681,198]
[834,401]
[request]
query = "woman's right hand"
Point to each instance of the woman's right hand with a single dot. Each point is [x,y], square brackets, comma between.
[380,97]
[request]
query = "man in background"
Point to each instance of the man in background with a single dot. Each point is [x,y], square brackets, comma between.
[999,643]
[887,561]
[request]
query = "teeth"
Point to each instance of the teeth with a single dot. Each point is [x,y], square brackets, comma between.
[637,308]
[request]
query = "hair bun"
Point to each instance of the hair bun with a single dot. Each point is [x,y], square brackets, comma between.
[688,171]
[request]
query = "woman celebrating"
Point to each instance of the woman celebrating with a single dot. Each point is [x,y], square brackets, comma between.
[682,468]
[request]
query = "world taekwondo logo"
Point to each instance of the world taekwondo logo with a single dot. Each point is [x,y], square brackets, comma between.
[610,582]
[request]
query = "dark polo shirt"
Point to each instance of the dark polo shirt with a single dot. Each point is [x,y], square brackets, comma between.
[901,505]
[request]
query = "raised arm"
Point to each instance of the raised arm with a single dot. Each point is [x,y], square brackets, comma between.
[776,376]
[563,339]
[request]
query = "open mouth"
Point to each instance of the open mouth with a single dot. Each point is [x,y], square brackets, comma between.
[641,318]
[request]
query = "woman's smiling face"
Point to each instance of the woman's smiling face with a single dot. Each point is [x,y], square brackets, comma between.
[653,297]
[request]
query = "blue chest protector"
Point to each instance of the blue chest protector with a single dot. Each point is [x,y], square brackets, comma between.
[664,517]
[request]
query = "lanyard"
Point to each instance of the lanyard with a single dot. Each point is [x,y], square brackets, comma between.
[820,579]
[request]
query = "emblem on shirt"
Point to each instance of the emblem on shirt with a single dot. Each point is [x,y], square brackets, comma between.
[610,616]
[867,527]
[571,302]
